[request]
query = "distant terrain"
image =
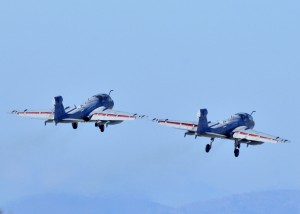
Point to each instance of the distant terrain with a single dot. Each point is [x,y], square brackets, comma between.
[279,201]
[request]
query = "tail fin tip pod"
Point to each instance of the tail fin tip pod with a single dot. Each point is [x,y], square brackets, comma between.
[59,110]
[202,124]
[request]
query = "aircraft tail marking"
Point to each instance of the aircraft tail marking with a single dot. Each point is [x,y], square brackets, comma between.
[203,123]
[59,110]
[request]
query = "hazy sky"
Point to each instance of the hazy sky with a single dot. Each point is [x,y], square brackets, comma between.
[165,59]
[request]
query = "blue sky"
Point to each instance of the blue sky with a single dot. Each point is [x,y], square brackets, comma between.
[165,59]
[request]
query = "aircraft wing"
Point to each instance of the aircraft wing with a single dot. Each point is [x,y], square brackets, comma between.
[36,114]
[256,136]
[112,115]
[184,125]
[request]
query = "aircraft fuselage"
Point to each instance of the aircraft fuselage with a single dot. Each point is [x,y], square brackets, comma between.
[226,127]
[84,110]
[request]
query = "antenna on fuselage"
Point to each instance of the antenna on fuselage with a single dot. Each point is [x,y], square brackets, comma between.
[252,112]
[110,92]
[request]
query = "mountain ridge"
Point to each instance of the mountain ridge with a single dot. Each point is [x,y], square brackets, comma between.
[275,201]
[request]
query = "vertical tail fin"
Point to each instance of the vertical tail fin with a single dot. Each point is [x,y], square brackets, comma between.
[59,110]
[202,124]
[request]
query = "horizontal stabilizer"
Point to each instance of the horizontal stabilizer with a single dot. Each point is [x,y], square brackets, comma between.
[214,135]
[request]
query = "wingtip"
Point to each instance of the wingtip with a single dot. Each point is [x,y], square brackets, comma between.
[13,112]
[155,120]
[143,116]
[284,141]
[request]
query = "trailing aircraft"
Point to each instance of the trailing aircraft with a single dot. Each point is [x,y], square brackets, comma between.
[97,109]
[239,128]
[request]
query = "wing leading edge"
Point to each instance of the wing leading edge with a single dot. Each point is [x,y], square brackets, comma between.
[252,135]
[112,115]
[35,114]
[183,125]
[103,115]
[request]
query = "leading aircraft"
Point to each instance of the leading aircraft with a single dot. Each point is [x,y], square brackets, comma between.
[239,128]
[97,109]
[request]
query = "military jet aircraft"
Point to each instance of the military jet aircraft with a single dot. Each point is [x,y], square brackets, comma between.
[238,128]
[97,109]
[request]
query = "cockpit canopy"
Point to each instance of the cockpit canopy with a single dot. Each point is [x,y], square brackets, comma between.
[93,99]
[101,96]
[243,116]
[98,97]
